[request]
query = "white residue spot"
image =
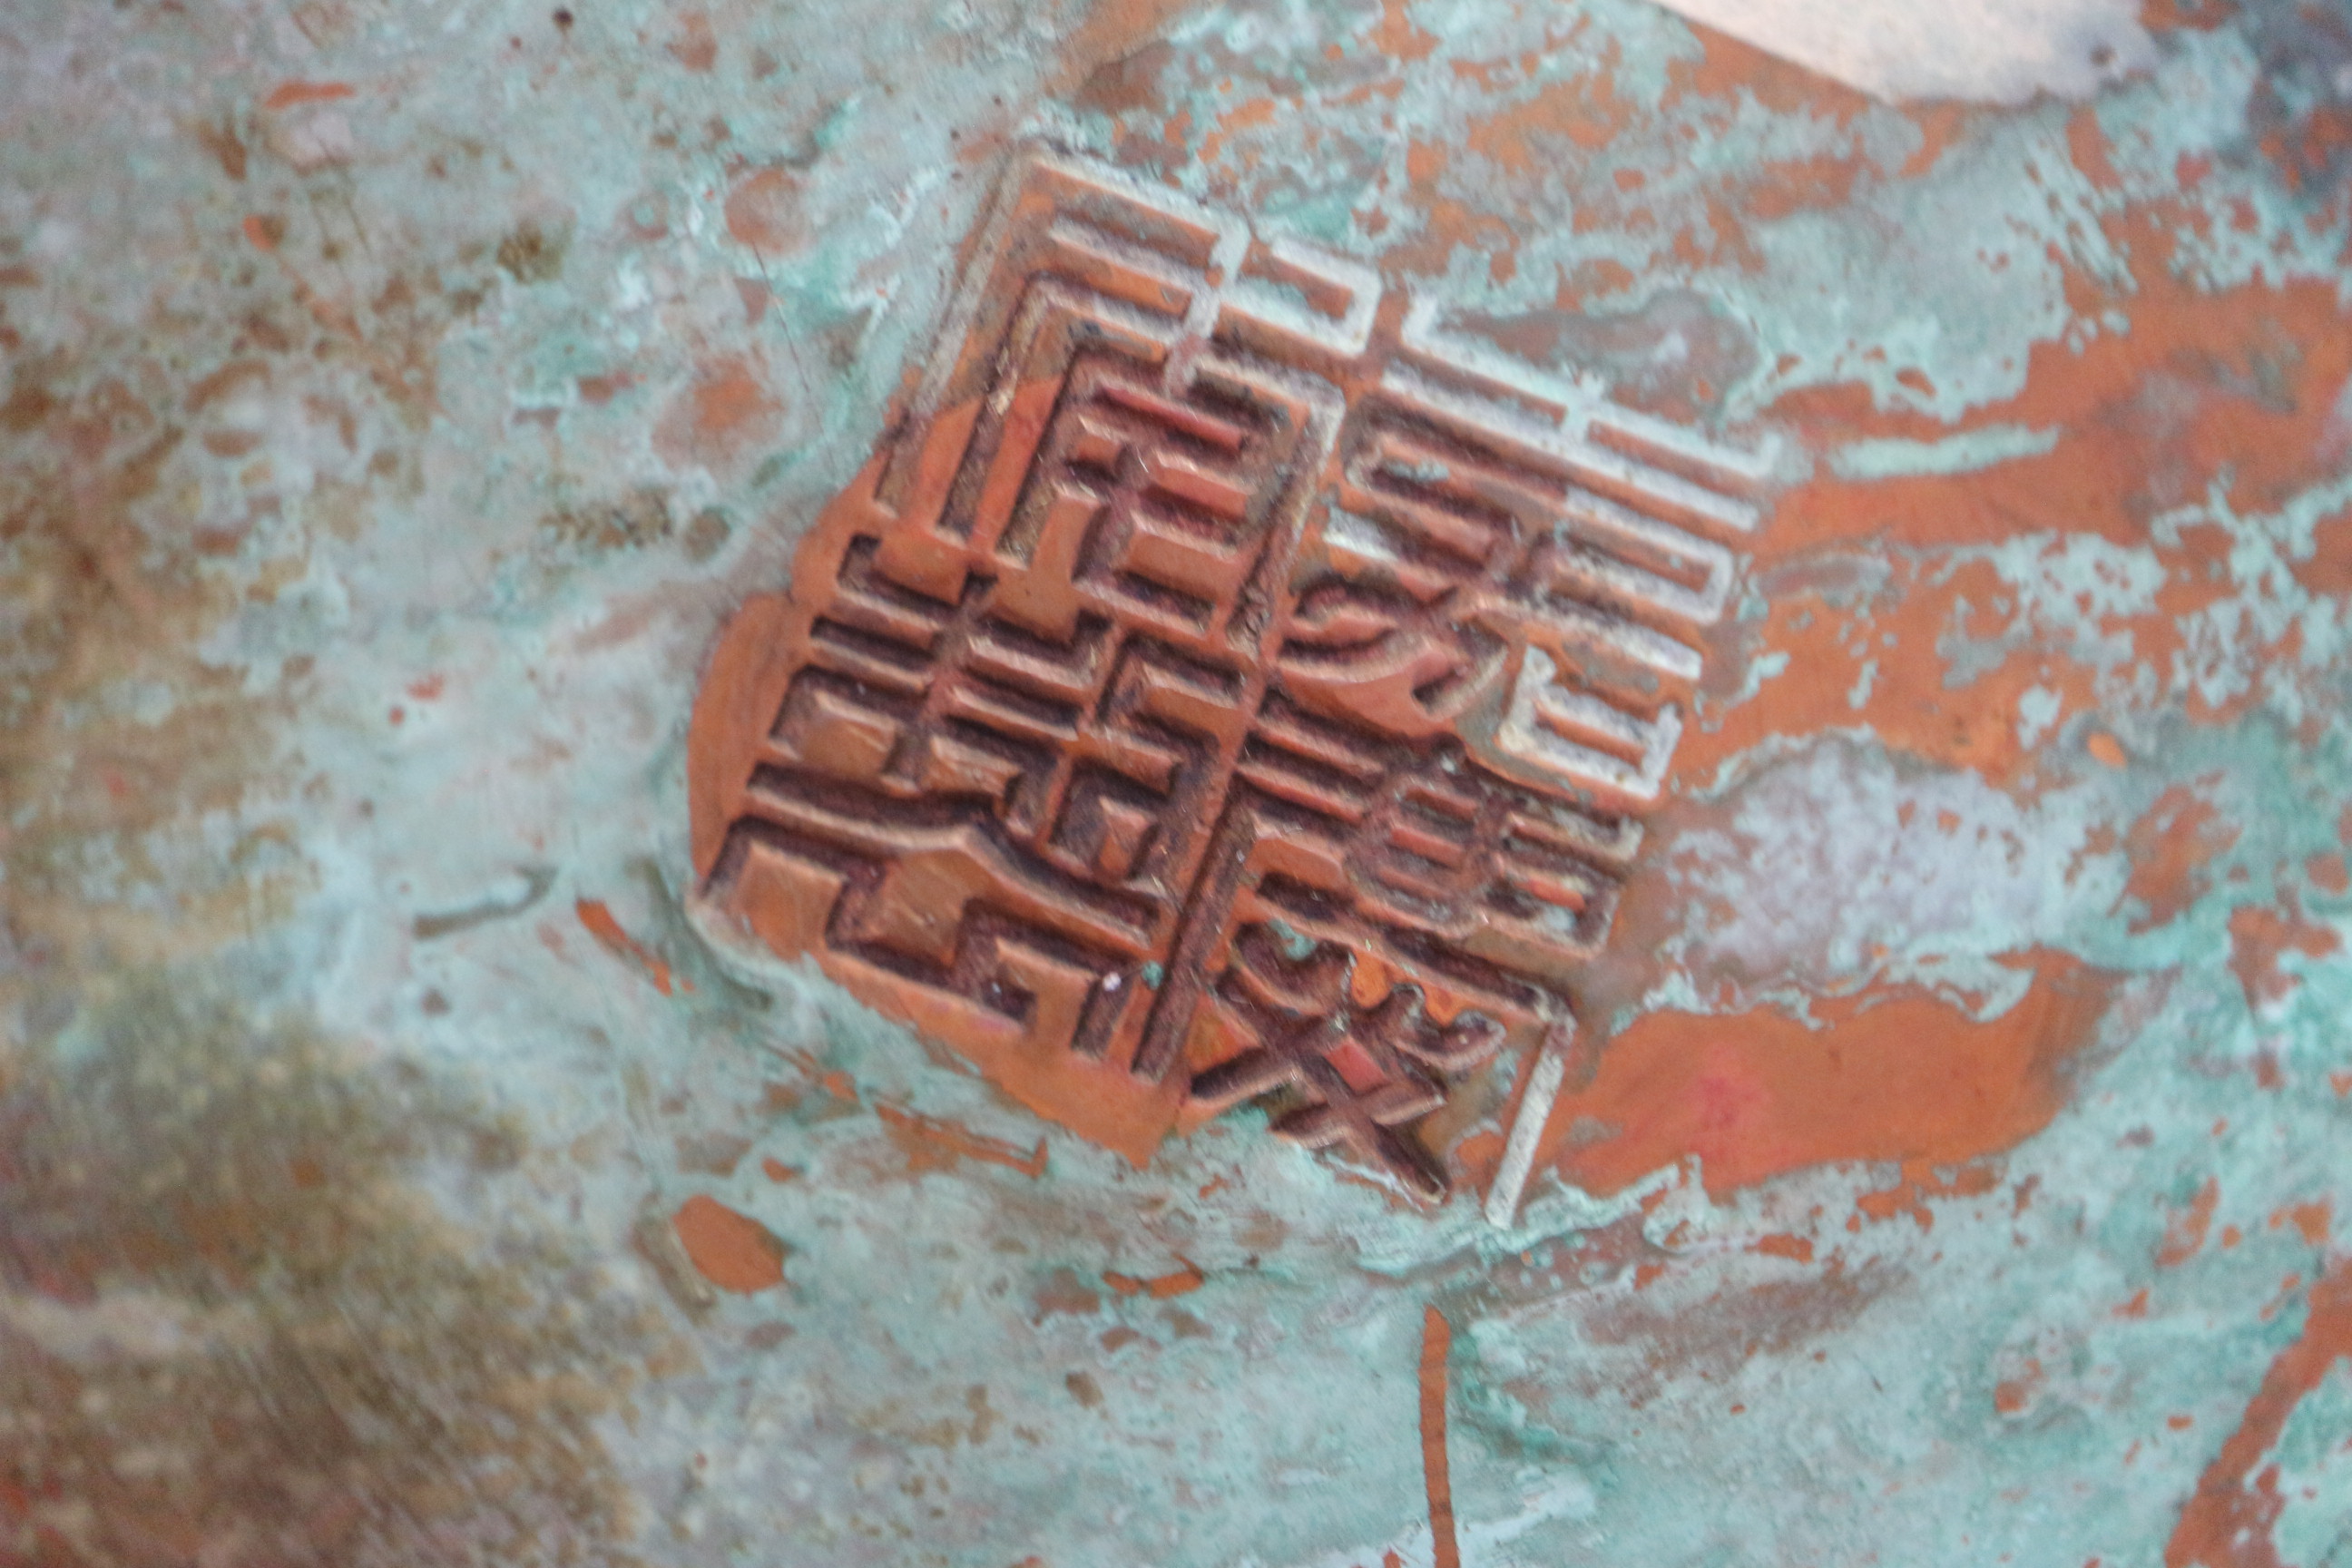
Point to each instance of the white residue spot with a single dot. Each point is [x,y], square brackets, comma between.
[2037,711]
[1860,695]
[1894,459]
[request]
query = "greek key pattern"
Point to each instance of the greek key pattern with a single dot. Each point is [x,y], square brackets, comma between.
[1224,687]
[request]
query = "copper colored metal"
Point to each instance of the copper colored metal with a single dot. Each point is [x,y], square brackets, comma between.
[1224,685]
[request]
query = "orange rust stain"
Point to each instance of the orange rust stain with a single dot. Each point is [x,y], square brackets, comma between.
[2026,495]
[599,925]
[1921,1180]
[1437,1343]
[1157,1286]
[2134,1308]
[1897,1074]
[775,1170]
[2107,750]
[695,47]
[726,398]
[2231,390]
[2175,16]
[1447,222]
[1781,189]
[935,1144]
[2184,1229]
[2312,1221]
[2013,1394]
[2169,847]
[238,372]
[1245,116]
[2180,1423]
[1725,76]
[1130,83]
[2312,148]
[2259,935]
[1728,69]
[1909,699]
[265,232]
[1112,30]
[733,1251]
[1584,111]
[1062,1292]
[2329,568]
[1762,194]
[1396,36]
[2328,873]
[2236,383]
[1593,278]
[2227,1522]
[288,94]
[763,210]
[719,418]
[1941,125]
[598,390]
[1796,1248]
[1492,76]
[832,1082]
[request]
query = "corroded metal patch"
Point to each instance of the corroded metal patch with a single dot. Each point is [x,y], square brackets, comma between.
[1225,685]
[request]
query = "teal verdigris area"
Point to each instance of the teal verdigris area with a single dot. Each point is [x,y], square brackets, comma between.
[393,403]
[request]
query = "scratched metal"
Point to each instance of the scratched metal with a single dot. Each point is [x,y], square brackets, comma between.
[399,401]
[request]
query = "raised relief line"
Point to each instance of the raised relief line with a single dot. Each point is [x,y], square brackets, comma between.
[1579,402]
[1526,1132]
[1541,713]
[1114,267]
[1345,334]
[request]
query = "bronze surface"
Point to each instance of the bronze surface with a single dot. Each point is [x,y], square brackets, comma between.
[1224,687]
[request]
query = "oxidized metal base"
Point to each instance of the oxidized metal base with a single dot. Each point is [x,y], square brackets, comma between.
[1225,685]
